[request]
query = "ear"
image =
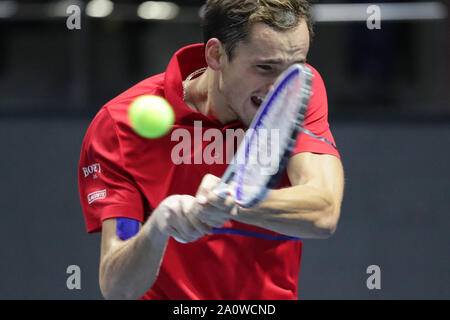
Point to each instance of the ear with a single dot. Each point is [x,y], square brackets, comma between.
[215,54]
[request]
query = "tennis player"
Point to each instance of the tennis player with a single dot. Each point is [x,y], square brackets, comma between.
[132,190]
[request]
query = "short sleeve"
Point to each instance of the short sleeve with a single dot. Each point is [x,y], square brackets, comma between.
[106,189]
[316,121]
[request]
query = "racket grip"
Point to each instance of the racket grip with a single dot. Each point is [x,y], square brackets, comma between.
[222,190]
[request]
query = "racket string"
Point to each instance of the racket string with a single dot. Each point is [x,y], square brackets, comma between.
[282,117]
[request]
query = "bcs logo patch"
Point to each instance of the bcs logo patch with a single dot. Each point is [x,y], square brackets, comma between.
[92,169]
[97,195]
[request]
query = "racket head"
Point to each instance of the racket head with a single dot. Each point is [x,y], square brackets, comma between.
[283,109]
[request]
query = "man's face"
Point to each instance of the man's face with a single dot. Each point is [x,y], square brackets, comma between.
[256,64]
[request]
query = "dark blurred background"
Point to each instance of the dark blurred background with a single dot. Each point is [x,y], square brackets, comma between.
[388,92]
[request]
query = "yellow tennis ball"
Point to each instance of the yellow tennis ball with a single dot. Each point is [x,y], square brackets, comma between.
[151,116]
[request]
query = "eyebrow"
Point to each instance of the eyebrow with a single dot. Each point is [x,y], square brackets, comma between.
[277,61]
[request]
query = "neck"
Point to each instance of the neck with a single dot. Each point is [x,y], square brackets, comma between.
[203,95]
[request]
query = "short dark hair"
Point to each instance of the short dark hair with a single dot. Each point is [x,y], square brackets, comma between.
[230,21]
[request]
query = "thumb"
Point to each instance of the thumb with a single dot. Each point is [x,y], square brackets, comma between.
[205,189]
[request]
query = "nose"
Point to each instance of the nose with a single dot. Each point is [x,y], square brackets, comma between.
[270,86]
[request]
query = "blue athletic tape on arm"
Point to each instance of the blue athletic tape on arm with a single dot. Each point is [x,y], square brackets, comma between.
[126,228]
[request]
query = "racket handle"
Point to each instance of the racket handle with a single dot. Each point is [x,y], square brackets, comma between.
[221,190]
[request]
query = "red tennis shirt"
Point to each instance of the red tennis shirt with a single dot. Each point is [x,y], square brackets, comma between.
[124,175]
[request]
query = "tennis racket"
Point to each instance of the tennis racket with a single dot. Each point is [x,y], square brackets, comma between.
[272,132]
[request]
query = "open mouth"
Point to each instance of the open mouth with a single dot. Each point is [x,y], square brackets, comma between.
[257,101]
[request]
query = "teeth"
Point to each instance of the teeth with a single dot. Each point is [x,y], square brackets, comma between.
[257,100]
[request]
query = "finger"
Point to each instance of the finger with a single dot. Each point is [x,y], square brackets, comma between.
[181,223]
[206,187]
[191,210]
[213,213]
[174,234]
[202,227]
[235,211]
[213,216]
[223,204]
[174,221]
[229,202]
[186,229]
[179,238]
[213,223]
[197,223]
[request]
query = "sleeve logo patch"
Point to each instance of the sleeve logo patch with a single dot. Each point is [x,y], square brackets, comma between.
[93,169]
[97,195]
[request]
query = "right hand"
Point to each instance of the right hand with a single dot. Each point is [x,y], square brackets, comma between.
[178,216]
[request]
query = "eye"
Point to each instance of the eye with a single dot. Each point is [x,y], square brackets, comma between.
[264,67]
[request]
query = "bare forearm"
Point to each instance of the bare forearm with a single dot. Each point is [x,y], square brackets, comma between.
[300,211]
[129,270]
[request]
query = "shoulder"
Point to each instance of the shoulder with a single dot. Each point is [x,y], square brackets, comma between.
[318,85]
[114,113]
[110,130]
[118,107]
[112,133]
[318,104]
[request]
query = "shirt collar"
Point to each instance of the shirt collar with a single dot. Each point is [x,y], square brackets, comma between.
[183,63]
